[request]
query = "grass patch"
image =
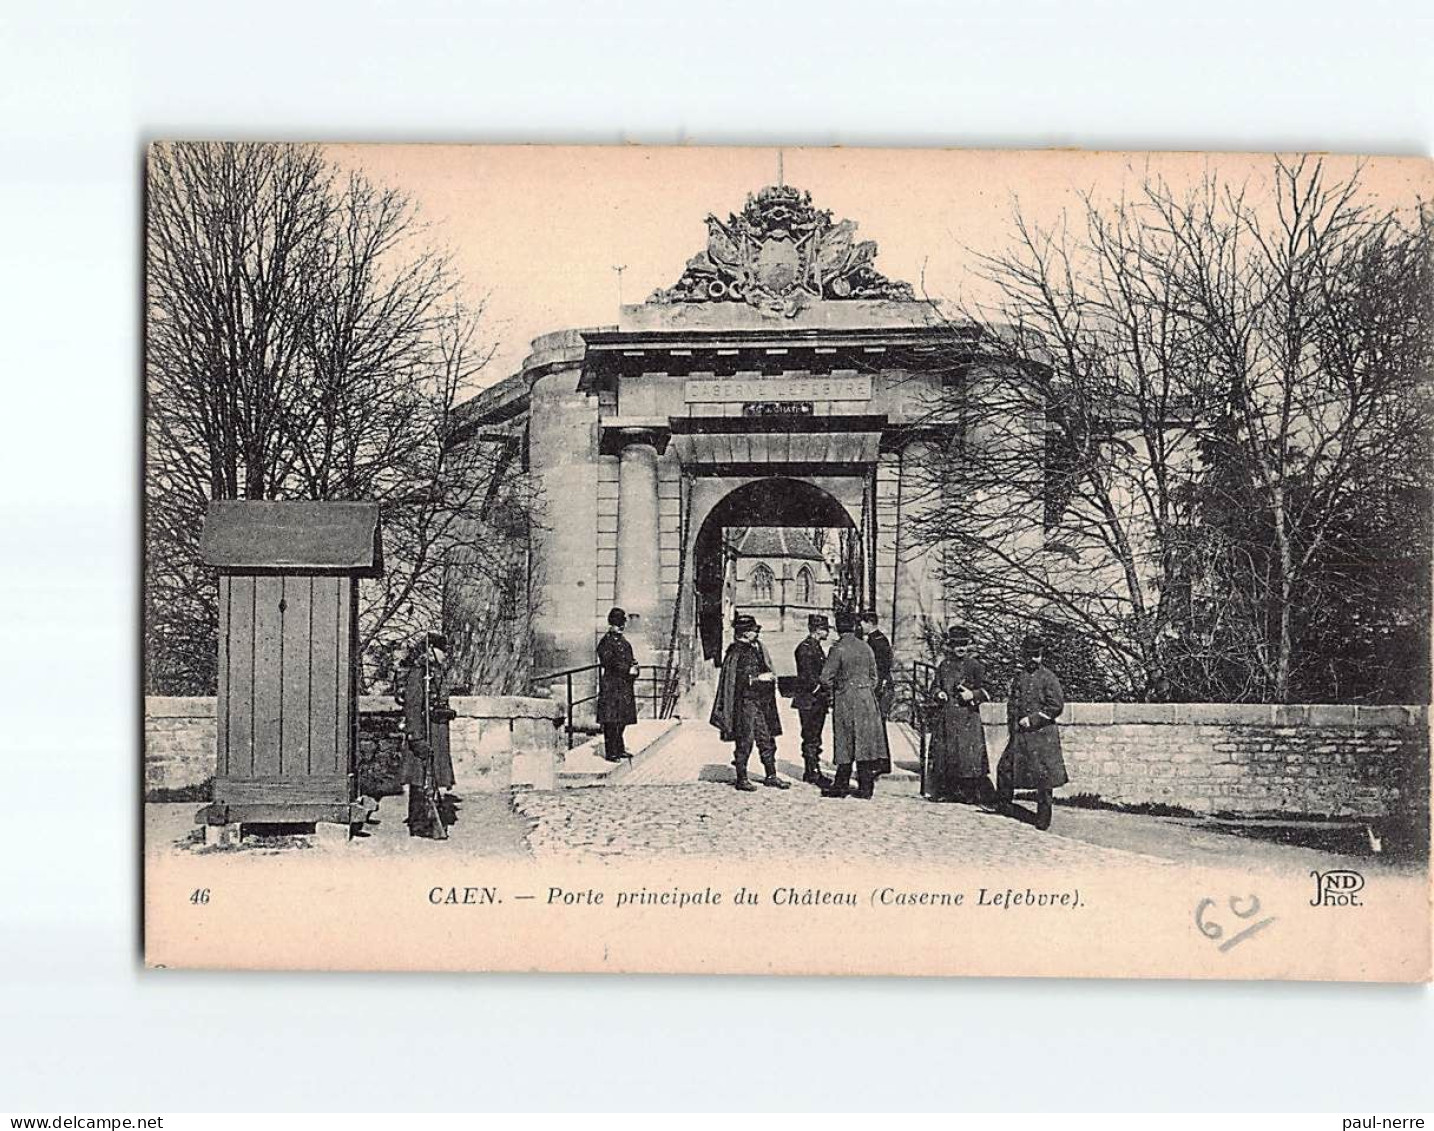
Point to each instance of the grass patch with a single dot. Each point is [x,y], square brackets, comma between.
[1140,809]
[204,791]
[1402,838]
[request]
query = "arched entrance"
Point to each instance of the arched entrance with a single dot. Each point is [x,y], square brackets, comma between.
[715,406]
[817,519]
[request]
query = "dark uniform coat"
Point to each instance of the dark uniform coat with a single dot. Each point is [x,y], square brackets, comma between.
[880,647]
[425,724]
[858,730]
[809,695]
[1033,758]
[958,740]
[740,695]
[617,702]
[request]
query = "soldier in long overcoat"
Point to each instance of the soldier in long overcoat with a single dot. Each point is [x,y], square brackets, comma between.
[1032,759]
[617,674]
[810,698]
[870,631]
[427,761]
[745,709]
[958,766]
[858,730]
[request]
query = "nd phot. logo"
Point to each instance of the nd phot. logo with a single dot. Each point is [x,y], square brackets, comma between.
[1338,887]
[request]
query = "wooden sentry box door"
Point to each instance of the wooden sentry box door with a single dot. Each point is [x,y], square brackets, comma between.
[287,688]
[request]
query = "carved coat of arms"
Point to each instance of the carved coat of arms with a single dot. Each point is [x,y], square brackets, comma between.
[780,253]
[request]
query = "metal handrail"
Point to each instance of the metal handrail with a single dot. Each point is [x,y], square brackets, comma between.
[923,675]
[920,680]
[657,695]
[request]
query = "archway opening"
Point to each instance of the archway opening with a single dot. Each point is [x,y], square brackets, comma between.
[779,549]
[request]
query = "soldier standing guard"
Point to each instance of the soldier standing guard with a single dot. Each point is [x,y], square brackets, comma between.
[428,764]
[858,733]
[958,762]
[810,698]
[617,673]
[745,710]
[1033,752]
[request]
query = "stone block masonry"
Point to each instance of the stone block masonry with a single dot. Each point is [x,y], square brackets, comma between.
[497,742]
[503,742]
[180,741]
[1313,760]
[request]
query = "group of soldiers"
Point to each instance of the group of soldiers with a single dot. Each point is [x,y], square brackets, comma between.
[958,768]
[853,684]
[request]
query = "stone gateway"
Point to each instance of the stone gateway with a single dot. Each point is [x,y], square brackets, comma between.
[780,382]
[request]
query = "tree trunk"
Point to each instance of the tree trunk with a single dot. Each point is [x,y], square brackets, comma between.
[1287,568]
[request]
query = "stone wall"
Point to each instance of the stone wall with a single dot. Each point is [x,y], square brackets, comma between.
[503,742]
[180,736]
[1312,760]
[498,742]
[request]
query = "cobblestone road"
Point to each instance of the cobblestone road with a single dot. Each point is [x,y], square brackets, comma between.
[678,801]
[696,753]
[714,820]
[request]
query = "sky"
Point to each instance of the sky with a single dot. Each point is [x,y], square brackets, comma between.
[537,231]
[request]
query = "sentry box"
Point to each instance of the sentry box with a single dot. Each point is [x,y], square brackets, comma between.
[288,661]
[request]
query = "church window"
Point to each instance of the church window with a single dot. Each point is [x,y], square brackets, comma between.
[762,580]
[805,585]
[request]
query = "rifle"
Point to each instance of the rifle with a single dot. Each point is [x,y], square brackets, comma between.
[424,816]
[430,815]
[430,769]
[919,708]
[922,732]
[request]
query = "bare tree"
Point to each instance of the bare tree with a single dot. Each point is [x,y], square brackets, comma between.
[1313,308]
[305,342]
[1167,414]
[1073,417]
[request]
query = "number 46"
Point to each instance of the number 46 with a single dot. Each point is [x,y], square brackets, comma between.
[200,895]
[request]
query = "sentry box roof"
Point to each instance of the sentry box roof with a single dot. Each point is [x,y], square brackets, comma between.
[331,537]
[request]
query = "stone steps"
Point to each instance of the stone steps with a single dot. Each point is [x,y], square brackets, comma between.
[584,765]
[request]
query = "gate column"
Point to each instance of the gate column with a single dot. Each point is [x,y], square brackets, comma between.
[911,593]
[638,560]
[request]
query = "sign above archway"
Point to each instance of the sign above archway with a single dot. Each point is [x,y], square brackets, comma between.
[730,390]
[779,254]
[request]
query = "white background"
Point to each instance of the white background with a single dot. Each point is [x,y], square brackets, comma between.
[83,86]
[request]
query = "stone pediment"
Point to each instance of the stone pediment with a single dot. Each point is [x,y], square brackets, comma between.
[779,255]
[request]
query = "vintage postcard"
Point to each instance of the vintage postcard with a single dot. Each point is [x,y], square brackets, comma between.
[806,561]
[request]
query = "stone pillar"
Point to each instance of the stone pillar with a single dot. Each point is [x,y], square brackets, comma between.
[638,573]
[918,589]
[503,742]
[563,457]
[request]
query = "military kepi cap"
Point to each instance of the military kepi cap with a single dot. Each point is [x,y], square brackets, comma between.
[959,635]
[846,622]
[617,618]
[745,622]
[1033,646]
[816,621]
